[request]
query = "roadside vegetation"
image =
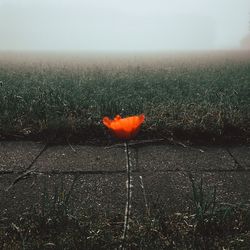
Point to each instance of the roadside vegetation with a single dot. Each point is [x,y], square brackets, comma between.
[202,95]
[53,224]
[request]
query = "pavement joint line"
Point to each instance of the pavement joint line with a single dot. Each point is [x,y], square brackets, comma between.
[143,171]
[85,172]
[101,172]
[2,172]
[142,143]
[136,143]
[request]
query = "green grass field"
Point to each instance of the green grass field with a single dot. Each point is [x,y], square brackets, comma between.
[190,95]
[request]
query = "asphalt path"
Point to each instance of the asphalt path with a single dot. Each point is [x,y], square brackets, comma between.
[95,176]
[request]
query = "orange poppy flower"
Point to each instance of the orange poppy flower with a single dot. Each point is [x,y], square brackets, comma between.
[124,128]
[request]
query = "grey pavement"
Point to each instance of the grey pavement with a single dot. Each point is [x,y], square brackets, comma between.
[29,169]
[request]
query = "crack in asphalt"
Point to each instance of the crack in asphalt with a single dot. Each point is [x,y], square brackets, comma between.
[28,170]
[236,162]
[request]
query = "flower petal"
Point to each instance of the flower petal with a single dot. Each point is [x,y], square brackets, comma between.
[106,121]
[124,128]
[117,118]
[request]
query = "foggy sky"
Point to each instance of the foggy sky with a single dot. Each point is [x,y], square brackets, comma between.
[122,25]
